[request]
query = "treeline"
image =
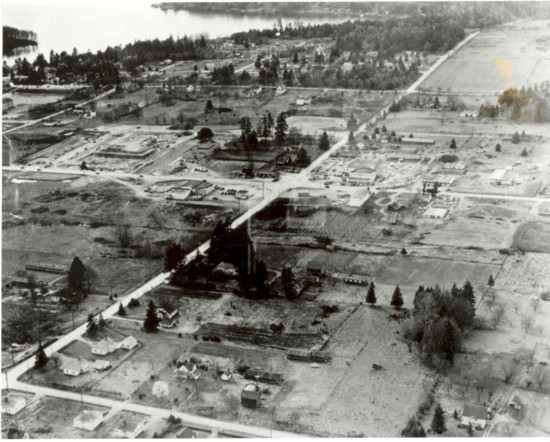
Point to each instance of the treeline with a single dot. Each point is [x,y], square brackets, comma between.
[521,105]
[16,38]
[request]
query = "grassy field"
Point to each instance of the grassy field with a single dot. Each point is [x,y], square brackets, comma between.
[492,61]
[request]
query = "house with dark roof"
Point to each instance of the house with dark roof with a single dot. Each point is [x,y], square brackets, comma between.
[477,415]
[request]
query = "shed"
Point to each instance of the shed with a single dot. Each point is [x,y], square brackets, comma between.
[315,268]
[321,356]
[295,354]
[88,420]
[251,396]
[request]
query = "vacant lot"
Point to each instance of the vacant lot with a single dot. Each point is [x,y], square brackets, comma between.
[492,61]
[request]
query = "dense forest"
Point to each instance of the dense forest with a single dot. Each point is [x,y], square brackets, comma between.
[15,38]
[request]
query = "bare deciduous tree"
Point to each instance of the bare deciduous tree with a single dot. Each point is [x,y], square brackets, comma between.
[509,370]
[527,323]
[497,316]
[535,304]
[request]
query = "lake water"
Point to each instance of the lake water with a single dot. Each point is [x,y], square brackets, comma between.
[94,25]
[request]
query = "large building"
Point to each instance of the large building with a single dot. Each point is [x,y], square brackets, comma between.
[363,176]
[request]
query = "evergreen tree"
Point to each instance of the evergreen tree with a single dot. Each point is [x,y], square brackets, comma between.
[152,321]
[324,143]
[491,281]
[498,148]
[219,240]
[281,129]
[121,310]
[449,344]
[352,122]
[436,102]
[295,58]
[303,159]
[413,429]
[351,138]
[516,138]
[91,328]
[41,359]
[438,421]
[173,255]
[397,298]
[209,107]
[403,251]
[289,282]
[470,430]
[77,275]
[101,321]
[270,122]
[524,152]
[453,144]
[371,295]
[468,293]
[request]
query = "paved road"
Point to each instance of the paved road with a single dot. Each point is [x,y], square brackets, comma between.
[272,192]
[33,122]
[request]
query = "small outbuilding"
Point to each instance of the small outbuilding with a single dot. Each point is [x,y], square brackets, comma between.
[76,367]
[129,343]
[251,396]
[477,415]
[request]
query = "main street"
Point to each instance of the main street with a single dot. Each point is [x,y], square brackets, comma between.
[272,191]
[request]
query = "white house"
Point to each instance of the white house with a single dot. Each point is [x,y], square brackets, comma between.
[76,367]
[88,420]
[477,415]
[280,90]
[101,365]
[130,428]
[129,343]
[501,177]
[188,370]
[13,404]
[104,347]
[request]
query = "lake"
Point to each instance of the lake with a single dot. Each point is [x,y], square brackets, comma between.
[94,25]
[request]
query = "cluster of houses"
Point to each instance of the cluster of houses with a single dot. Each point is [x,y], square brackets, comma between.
[78,366]
[128,427]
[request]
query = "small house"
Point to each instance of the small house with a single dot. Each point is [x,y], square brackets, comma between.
[186,433]
[168,323]
[280,90]
[167,312]
[76,367]
[101,364]
[477,415]
[226,268]
[88,420]
[129,343]
[130,428]
[435,212]
[104,347]
[315,268]
[13,404]
[251,396]
[188,370]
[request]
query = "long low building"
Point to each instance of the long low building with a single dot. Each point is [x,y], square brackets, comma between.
[363,176]
[359,197]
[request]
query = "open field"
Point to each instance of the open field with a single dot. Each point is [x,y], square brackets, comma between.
[493,61]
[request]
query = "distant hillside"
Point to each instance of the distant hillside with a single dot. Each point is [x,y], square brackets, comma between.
[16,38]
[468,14]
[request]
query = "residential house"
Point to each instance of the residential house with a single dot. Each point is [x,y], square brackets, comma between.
[130,428]
[129,343]
[251,396]
[315,268]
[186,433]
[226,268]
[516,403]
[188,370]
[88,420]
[167,312]
[13,404]
[104,347]
[280,90]
[101,364]
[477,415]
[76,367]
[501,177]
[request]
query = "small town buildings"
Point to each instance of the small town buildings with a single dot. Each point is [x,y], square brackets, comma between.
[88,420]
[104,347]
[130,427]
[359,198]
[76,367]
[295,354]
[363,176]
[186,433]
[501,177]
[477,415]
[13,404]
[436,212]
[251,396]
[128,343]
